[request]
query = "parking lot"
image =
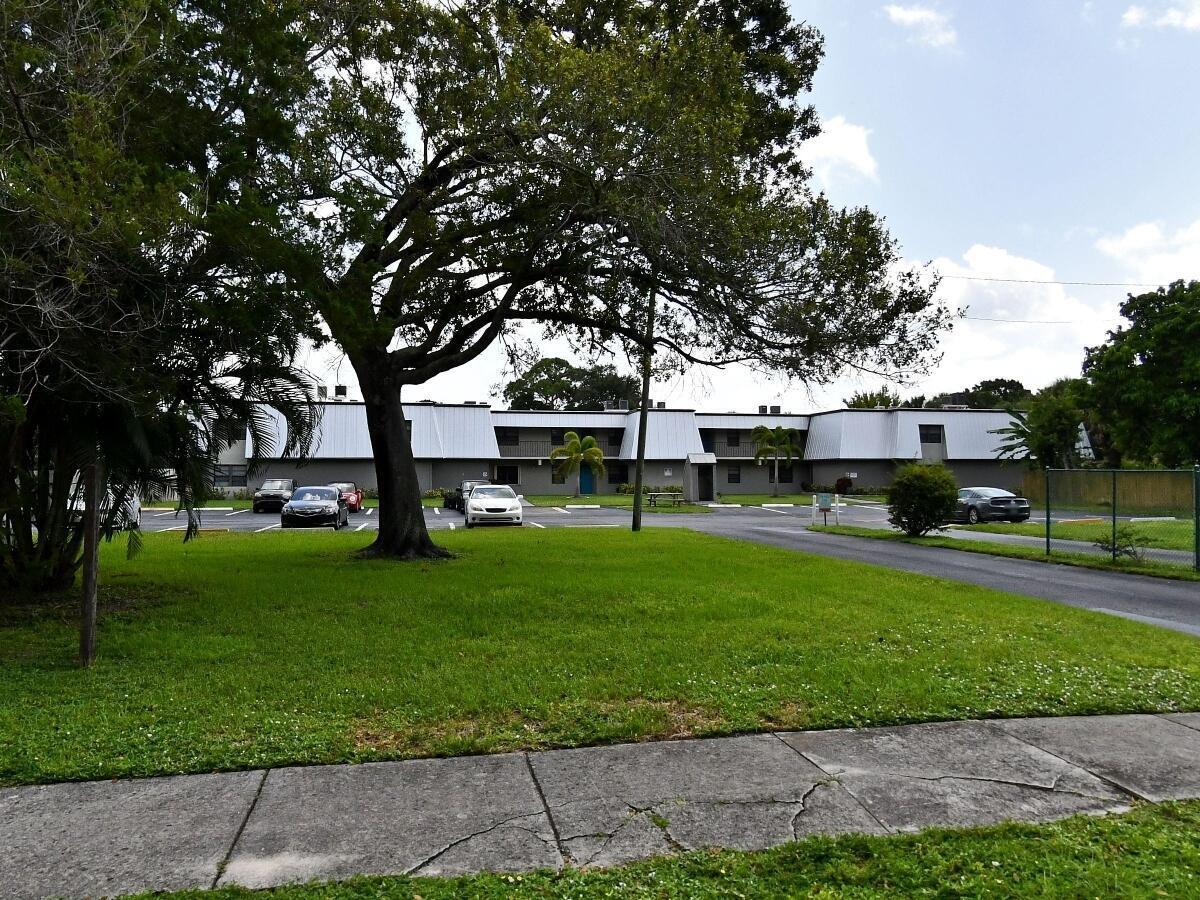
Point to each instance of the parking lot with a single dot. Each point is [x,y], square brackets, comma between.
[567,516]
[161,519]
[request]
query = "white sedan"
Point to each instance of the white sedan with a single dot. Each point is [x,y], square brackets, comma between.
[494,503]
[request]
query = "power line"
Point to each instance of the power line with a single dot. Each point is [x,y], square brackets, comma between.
[1141,284]
[1026,321]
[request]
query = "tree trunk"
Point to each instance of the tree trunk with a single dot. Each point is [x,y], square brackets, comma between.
[639,471]
[579,481]
[91,565]
[775,491]
[402,533]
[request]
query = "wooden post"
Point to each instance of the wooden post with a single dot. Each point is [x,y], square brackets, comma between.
[91,564]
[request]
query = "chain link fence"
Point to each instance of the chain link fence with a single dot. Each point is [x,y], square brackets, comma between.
[1131,514]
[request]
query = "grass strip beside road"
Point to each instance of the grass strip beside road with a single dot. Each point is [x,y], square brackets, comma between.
[1150,851]
[1178,534]
[241,650]
[1016,551]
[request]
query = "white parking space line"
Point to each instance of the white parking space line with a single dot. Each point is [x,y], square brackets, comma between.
[537,524]
[361,527]
[174,528]
[268,528]
[370,509]
[237,512]
[436,511]
[451,526]
[169,512]
[561,510]
[769,509]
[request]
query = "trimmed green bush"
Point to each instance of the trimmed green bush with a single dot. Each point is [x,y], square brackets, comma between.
[921,498]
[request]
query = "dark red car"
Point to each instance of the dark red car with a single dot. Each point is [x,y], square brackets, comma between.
[351,494]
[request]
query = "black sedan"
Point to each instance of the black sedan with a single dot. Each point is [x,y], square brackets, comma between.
[985,504]
[315,507]
[457,499]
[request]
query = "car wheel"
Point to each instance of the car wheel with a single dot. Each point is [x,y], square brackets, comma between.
[469,523]
[255,510]
[972,516]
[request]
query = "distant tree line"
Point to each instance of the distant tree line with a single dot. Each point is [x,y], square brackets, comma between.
[1137,399]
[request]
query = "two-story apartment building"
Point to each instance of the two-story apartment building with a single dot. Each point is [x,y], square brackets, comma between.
[708,454]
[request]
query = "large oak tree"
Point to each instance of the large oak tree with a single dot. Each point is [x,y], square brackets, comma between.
[474,167]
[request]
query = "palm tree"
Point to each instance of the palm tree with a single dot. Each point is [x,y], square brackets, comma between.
[574,454]
[777,442]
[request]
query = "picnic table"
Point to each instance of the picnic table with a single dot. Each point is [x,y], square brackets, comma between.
[675,497]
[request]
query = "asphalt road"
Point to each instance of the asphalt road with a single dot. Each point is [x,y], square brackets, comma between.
[1158,601]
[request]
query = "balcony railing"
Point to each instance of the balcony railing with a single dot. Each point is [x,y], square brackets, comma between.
[541,450]
[744,449]
[527,449]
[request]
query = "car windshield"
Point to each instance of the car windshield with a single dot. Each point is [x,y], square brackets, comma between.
[501,491]
[964,494]
[993,492]
[277,485]
[346,487]
[315,494]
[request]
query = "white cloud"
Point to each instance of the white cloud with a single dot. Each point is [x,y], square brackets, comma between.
[1134,17]
[1184,15]
[841,149]
[1035,333]
[1153,255]
[927,25]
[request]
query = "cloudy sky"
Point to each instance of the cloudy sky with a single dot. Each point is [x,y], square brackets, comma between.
[1002,139]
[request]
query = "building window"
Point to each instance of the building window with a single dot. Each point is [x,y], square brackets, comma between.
[508,437]
[735,474]
[932,434]
[408,430]
[557,476]
[618,473]
[556,437]
[785,472]
[615,436]
[510,475]
[733,438]
[230,477]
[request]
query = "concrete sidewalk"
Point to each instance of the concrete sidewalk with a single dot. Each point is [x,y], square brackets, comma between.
[588,807]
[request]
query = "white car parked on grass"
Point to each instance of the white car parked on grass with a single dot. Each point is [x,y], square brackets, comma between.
[493,503]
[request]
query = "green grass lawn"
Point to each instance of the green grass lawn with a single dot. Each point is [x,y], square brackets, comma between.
[1176,535]
[620,501]
[245,650]
[1151,851]
[1016,551]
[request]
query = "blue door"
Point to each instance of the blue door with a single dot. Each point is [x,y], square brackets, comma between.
[587,482]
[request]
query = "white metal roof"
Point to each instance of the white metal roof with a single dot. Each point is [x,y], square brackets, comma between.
[438,432]
[670,434]
[895,433]
[445,431]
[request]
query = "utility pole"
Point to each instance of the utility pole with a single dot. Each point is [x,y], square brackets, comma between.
[639,478]
[91,564]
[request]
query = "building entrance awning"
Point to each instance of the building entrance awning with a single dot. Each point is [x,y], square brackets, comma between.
[702,459]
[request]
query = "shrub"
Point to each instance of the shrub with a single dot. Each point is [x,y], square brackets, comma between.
[921,498]
[843,485]
[1126,543]
[370,494]
[434,492]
